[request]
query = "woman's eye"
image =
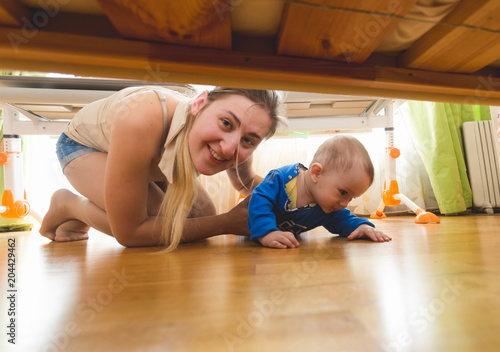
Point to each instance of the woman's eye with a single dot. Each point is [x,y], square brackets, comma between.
[343,193]
[248,142]
[226,123]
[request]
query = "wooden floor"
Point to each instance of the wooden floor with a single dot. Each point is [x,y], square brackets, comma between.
[433,288]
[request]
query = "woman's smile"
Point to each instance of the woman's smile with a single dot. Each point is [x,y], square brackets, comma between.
[216,156]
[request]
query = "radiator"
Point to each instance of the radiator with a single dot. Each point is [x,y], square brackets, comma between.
[482,151]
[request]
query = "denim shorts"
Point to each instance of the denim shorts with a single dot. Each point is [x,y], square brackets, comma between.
[68,150]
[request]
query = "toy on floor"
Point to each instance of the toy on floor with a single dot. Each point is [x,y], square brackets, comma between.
[391,195]
[14,204]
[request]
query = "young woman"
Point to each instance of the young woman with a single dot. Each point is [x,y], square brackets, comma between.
[135,156]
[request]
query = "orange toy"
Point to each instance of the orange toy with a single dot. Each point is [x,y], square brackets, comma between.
[14,204]
[391,195]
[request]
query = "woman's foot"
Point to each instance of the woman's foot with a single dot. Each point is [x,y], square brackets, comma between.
[72,230]
[57,225]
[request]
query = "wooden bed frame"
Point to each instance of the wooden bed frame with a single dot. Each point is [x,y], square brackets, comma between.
[316,47]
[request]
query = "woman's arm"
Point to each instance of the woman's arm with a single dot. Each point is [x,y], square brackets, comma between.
[135,143]
[234,222]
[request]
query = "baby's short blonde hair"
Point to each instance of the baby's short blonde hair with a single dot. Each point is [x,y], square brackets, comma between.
[341,152]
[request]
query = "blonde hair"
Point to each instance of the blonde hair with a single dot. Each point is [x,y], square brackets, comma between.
[341,152]
[181,193]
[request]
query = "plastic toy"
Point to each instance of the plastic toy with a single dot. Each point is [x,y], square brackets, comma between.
[391,195]
[14,204]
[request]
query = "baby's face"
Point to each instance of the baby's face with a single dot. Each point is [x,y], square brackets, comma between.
[334,190]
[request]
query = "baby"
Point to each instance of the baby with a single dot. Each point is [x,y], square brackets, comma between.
[293,199]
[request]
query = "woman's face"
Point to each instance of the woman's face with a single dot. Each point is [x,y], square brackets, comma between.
[225,132]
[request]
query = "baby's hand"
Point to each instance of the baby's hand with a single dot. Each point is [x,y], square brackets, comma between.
[279,239]
[370,232]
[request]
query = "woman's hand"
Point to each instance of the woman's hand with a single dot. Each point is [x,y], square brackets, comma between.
[237,219]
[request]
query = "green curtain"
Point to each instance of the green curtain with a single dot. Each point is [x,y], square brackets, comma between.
[437,132]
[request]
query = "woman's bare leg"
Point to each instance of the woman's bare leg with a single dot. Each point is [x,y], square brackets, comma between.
[70,216]
[65,220]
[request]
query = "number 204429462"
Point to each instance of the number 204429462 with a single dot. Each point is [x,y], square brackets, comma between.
[11,263]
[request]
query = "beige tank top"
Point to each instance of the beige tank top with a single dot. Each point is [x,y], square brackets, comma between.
[89,126]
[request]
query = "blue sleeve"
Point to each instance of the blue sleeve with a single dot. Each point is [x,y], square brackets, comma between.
[342,222]
[263,202]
